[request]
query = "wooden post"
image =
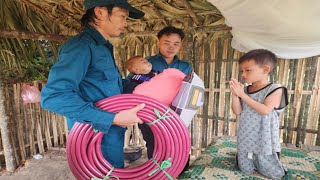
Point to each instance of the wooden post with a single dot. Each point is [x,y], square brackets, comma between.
[7,148]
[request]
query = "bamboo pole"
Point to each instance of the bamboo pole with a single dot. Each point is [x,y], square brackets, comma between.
[7,146]
[206,68]
[33,128]
[55,129]
[292,78]
[61,130]
[38,127]
[47,128]
[32,35]
[17,107]
[211,92]
[297,103]
[226,52]
[218,57]
[198,121]
[314,107]
[65,127]
[308,80]
[235,74]
[284,81]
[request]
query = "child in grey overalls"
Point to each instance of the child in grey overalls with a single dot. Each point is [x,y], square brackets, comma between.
[259,106]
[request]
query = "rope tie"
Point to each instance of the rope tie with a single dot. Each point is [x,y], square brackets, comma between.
[160,117]
[165,164]
[107,176]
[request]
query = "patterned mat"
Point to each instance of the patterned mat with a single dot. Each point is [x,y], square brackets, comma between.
[218,162]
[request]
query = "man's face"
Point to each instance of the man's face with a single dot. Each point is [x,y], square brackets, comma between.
[169,46]
[113,24]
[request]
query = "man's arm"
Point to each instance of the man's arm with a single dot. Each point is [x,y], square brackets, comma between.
[60,94]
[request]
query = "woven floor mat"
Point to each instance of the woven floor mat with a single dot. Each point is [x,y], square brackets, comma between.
[218,162]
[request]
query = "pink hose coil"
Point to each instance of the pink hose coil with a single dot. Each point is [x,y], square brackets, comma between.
[172,140]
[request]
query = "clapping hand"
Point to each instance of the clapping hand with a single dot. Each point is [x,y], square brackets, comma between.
[236,88]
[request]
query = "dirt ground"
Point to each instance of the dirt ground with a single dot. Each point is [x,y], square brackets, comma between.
[52,166]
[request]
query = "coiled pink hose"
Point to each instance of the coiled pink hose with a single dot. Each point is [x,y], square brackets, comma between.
[172,140]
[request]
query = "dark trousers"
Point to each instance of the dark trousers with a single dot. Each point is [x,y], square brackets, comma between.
[149,138]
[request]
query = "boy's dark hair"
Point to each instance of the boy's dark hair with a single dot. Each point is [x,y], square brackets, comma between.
[89,16]
[171,30]
[261,57]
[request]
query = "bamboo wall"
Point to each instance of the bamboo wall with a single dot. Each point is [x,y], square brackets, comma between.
[33,130]
[218,64]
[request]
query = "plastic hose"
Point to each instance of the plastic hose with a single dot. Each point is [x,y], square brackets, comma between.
[171,138]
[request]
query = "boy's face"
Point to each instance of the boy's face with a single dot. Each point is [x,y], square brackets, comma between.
[141,66]
[252,72]
[169,45]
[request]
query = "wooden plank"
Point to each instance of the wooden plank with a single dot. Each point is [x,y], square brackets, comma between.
[298,99]
[55,129]
[9,130]
[33,128]
[198,122]
[29,128]
[201,74]
[318,115]
[47,133]
[31,35]
[37,119]
[206,68]
[317,102]
[61,129]
[310,138]
[228,53]
[20,131]
[66,127]
[308,80]
[235,74]
[292,78]
[285,114]
[211,87]
[39,128]
[9,149]
[218,57]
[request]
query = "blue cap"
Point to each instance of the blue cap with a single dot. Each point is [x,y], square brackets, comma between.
[133,12]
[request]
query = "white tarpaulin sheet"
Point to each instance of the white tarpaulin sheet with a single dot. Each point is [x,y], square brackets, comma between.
[289,28]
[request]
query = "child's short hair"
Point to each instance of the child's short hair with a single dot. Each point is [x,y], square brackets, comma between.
[261,57]
[171,30]
[130,62]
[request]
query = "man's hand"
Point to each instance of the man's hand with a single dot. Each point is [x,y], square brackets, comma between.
[128,117]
